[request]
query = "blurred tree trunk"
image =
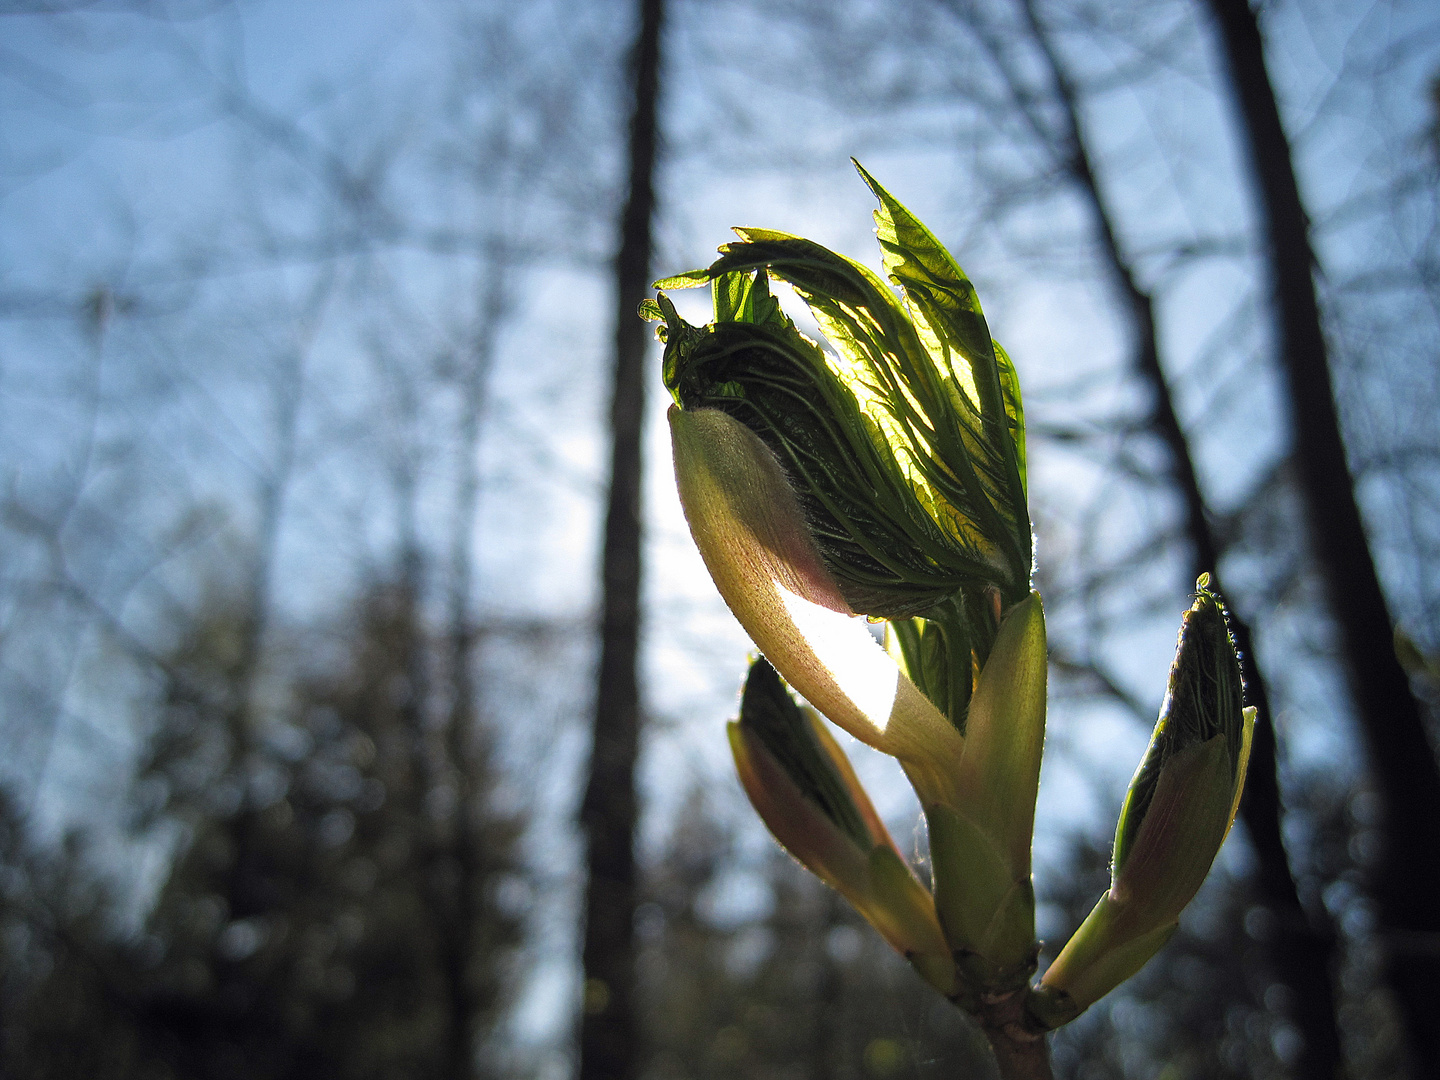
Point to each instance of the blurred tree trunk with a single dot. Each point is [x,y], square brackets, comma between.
[1303,956]
[1407,879]
[609,1033]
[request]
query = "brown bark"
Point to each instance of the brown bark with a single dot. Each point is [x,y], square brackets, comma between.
[1406,881]
[1302,953]
[609,1034]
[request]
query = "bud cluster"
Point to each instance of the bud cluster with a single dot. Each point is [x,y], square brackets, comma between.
[884,478]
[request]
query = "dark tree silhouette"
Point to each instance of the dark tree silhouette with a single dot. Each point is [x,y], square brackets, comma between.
[1407,879]
[608,1031]
[1303,953]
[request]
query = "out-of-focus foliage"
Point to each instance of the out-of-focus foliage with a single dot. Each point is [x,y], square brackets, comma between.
[803,989]
[1209,1005]
[307,924]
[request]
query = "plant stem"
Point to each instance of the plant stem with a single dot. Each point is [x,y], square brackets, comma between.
[1021,1053]
[1027,1059]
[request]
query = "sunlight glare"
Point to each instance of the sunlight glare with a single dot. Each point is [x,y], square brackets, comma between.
[859,667]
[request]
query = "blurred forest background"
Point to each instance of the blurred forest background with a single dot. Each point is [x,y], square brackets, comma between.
[307,331]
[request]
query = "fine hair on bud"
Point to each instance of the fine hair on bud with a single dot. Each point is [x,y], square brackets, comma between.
[1204,698]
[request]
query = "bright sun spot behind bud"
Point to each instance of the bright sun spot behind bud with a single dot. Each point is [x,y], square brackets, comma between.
[861,669]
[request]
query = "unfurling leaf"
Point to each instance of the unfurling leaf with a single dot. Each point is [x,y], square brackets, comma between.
[905,446]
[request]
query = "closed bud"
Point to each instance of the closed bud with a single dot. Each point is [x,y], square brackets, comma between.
[905,445]
[1180,806]
[980,842]
[805,790]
